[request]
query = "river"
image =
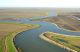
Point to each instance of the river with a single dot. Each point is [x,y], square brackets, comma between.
[29,41]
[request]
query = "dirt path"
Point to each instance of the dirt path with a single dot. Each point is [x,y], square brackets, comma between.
[5,46]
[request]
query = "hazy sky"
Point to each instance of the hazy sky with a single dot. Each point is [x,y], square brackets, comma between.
[40,3]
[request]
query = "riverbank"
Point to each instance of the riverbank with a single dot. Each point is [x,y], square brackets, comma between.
[68,23]
[60,27]
[64,28]
[50,40]
[7,33]
[15,33]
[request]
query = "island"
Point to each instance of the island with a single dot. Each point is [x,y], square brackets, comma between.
[71,43]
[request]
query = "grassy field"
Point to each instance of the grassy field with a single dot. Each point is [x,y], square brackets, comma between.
[72,42]
[8,32]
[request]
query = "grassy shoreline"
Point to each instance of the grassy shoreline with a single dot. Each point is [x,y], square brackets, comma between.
[10,30]
[48,38]
[20,32]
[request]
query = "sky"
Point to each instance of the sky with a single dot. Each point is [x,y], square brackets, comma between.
[41,3]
